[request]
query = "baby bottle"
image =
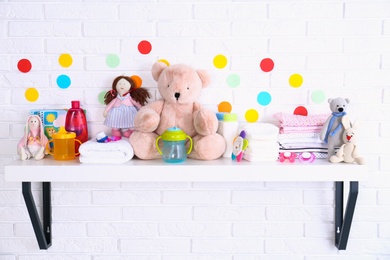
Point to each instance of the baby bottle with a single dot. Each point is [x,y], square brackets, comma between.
[174,145]
[64,145]
[76,122]
[227,127]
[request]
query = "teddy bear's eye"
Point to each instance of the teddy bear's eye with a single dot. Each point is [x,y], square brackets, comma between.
[168,86]
[188,87]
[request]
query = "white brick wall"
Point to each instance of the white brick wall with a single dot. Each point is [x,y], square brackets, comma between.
[340,47]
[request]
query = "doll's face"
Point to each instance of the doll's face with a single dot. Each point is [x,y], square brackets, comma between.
[123,86]
[33,123]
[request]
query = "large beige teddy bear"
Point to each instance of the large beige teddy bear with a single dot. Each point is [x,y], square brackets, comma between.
[179,86]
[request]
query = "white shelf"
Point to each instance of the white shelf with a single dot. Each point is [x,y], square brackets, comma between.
[221,170]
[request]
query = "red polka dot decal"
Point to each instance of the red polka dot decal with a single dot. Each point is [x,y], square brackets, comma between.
[144,47]
[300,111]
[24,65]
[267,65]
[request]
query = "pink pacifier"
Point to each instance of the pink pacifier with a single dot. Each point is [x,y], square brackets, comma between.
[306,157]
[287,156]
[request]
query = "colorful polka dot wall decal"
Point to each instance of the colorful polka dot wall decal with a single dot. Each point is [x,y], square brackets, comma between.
[63,81]
[233,80]
[264,98]
[251,115]
[24,65]
[295,80]
[65,60]
[267,65]
[137,81]
[164,61]
[318,96]
[101,97]
[220,61]
[112,60]
[224,106]
[31,94]
[144,47]
[300,111]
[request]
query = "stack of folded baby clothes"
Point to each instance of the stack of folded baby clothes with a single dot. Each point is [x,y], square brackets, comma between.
[300,134]
[262,142]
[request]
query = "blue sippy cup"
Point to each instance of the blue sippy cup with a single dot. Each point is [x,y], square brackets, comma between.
[174,148]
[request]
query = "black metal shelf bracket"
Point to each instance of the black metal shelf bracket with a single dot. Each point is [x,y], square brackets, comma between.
[343,223]
[42,233]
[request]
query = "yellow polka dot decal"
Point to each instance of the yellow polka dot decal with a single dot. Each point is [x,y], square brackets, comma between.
[251,115]
[295,80]
[65,60]
[31,94]
[220,61]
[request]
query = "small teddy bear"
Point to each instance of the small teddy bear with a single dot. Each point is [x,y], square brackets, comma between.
[179,86]
[348,152]
[332,129]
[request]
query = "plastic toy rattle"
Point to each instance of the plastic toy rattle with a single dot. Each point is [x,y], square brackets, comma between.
[239,146]
[101,137]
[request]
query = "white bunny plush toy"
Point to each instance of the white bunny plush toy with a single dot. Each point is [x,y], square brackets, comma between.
[348,151]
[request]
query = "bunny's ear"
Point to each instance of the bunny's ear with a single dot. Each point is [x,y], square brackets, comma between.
[356,124]
[345,122]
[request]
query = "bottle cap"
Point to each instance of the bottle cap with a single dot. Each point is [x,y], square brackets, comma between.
[174,134]
[75,104]
[220,116]
[230,117]
[63,134]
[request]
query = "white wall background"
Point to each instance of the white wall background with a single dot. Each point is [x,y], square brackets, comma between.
[339,47]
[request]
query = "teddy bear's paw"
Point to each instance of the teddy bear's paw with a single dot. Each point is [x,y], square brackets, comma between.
[205,122]
[146,121]
[208,147]
[144,145]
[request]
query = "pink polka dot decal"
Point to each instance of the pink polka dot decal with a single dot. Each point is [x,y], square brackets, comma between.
[267,65]
[24,65]
[300,111]
[144,47]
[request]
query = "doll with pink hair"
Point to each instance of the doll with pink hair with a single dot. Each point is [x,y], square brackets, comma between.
[123,102]
[33,143]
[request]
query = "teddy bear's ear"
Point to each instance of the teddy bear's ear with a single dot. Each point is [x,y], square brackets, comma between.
[330,100]
[157,68]
[347,100]
[204,76]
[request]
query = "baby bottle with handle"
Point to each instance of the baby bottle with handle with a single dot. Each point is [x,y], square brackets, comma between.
[174,145]
[64,145]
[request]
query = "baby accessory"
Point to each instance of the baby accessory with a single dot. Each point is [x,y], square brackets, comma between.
[240,143]
[101,137]
[64,145]
[228,128]
[287,156]
[110,152]
[174,145]
[262,142]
